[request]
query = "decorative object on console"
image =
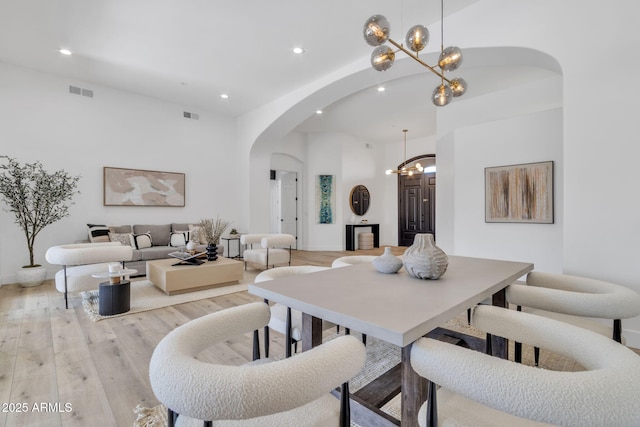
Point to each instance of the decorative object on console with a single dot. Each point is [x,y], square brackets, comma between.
[376,32]
[387,263]
[423,259]
[519,193]
[151,188]
[37,198]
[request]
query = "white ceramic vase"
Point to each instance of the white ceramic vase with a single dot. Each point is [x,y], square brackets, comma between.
[424,260]
[31,276]
[387,263]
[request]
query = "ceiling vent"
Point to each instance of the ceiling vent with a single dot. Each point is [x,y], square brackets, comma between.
[81,91]
[188,115]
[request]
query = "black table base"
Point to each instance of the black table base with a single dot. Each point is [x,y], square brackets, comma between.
[114,298]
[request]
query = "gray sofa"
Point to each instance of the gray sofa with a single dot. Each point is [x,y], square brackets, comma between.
[161,239]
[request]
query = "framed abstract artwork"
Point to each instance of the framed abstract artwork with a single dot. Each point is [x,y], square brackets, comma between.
[519,193]
[325,199]
[136,187]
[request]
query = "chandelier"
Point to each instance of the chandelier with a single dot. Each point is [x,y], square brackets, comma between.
[376,32]
[404,170]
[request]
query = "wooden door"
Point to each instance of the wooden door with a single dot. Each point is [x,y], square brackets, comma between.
[416,206]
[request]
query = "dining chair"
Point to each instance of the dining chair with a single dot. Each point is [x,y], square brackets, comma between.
[283,319]
[477,389]
[576,300]
[288,392]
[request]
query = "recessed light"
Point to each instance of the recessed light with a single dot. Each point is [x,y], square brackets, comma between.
[381,89]
[224,96]
[318,111]
[65,51]
[297,50]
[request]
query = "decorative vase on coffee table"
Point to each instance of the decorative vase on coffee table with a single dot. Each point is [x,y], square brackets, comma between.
[387,262]
[423,259]
[212,252]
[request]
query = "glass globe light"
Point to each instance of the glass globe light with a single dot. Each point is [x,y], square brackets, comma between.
[450,58]
[376,30]
[441,95]
[419,166]
[458,86]
[417,38]
[388,171]
[382,58]
[410,173]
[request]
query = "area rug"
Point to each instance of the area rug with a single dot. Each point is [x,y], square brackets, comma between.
[145,296]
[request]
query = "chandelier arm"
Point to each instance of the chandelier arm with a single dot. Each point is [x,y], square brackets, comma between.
[433,70]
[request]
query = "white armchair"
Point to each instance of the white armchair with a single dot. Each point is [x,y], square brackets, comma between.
[575,300]
[274,249]
[291,392]
[480,390]
[81,260]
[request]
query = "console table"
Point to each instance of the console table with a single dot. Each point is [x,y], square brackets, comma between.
[351,235]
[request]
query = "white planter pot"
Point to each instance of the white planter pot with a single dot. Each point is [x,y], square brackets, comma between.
[33,276]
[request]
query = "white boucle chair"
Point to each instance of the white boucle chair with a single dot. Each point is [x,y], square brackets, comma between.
[292,392]
[81,260]
[480,390]
[351,260]
[575,299]
[284,320]
[275,249]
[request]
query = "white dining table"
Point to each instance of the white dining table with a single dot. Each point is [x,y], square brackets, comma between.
[396,308]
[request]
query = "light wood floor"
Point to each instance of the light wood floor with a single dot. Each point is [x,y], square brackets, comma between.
[89,373]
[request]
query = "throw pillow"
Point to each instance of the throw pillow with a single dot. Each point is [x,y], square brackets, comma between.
[124,238]
[179,238]
[98,233]
[141,241]
[197,236]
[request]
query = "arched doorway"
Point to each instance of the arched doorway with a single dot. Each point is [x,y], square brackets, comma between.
[417,200]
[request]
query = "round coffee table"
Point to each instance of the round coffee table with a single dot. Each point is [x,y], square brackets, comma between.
[114,296]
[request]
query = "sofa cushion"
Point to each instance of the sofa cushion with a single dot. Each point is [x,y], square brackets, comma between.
[141,241]
[180,227]
[124,238]
[179,238]
[196,235]
[98,233]
[126,229]
[156,252]
[160,233]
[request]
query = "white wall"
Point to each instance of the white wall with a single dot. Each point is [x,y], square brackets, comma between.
[42,121]
[522,139]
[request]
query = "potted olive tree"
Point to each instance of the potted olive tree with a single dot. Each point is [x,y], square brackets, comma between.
[36,198]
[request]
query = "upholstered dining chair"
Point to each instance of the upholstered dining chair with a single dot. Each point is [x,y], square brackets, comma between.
[574,299]
[285,393]
[477,389]
[270,250]
[283,319]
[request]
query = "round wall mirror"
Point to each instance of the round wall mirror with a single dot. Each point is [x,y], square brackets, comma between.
[359,200]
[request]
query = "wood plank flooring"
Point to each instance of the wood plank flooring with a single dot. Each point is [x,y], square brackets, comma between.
[59,368]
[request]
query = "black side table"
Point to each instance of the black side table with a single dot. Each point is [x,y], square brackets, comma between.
[229,239]
[114,298]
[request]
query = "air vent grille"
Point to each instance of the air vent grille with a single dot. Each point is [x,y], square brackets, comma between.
[192,116]
[81,91]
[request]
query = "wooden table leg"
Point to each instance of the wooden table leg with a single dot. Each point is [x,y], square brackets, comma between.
[414,390]
[500,345]
[311,331]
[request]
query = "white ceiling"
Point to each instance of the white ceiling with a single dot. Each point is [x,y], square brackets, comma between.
[191,51]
